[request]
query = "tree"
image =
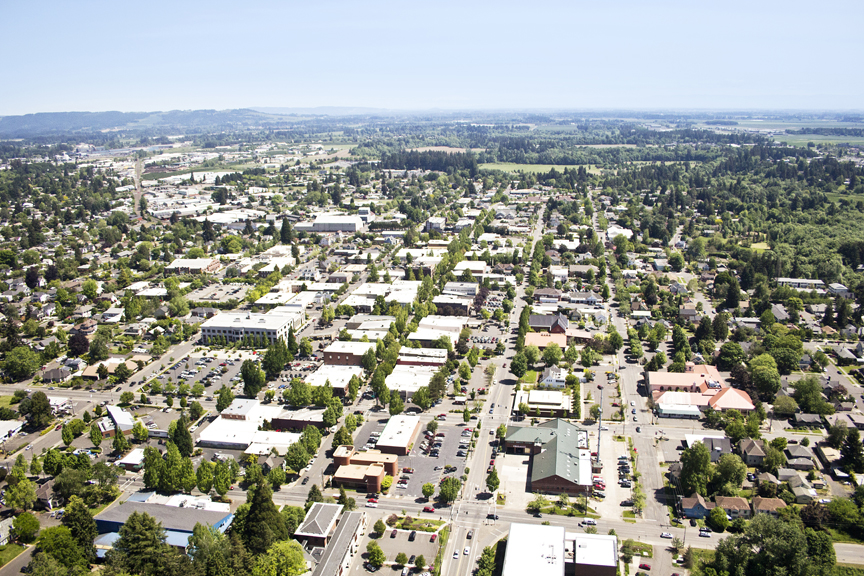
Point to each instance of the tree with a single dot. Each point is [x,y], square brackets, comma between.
[204,476]
[95,435]
[262,526]
[123,373]
[501,432]
[182,438]
[428,490]
[765,376]
[296,458]
[375,555]
[492,481]
[720,327]
[396,404]
[552,355]
[596,412]
[119,444]
[58,543]
[342,437]
[139,432]
[420,563]
[538,503]
[81,524]
[771,546]
[253,378]
[615,340]
[282,559]
[852,452]
[717,519]
[449,489]
[731,354]
[519,365]
[730,470]
[224,398]
[78,344]
[532,355]
[141,547]
[837,434]
[696,469]
[221,478]
[785,406]
[21,363]
[368,360]
[773,460]
[26,526]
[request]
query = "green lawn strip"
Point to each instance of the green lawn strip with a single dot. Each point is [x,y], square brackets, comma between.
[442,544]
[420,524]
[5,401]
[841,536]
[530,377]
[8,552]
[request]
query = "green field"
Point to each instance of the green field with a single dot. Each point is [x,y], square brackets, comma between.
[760,246]
[5,401]
[8,552]
[531,168]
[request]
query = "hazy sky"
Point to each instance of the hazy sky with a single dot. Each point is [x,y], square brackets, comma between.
[144,56]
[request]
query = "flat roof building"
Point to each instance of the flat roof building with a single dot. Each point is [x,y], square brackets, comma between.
[406,380]
[399,434]
[347,353]
[535,550]
[344,544]
[422,357]
[339,376]
[235,326]
[193,266]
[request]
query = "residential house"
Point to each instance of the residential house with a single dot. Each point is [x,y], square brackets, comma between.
[688,312]
[678,288]
[554,376]
[752,451]
[696,506]
[735,506]
[808,421]
[770,506]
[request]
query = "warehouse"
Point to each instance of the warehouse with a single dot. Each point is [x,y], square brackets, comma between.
[399,435]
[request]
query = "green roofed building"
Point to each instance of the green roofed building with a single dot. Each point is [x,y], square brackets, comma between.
[560,456]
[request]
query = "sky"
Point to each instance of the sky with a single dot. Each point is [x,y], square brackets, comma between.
[467,55]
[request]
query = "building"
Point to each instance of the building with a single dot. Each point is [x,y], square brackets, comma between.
[333,222]
[752,451]
[553,376]
[118,419]
[406,380]
[235,326]
[132,462]
[347,353]
[554,323]
[770,506]
[435,224]
[363,470]
[696,506]
[544,339]
[717,445]
[193,266]
[178,522]
[237,428]
[337,375]
[801,283]
[436,357]
[734,506]
[344,544]
[399,434]
[560,457]
[318,525]
[461,288]
[545,403]
[696,378]
[551,551]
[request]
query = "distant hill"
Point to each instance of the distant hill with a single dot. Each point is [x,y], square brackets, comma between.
[48,123]
[330,111]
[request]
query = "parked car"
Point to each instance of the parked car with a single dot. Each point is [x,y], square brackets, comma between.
[428,509]
[393,534]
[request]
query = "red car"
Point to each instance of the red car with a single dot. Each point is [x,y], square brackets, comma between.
[433,538]
[428,509]
[644,567]
[223,364]
[375,500]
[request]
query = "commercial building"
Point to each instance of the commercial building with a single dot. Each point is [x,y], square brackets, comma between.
[546,403]
[176,521]
[399,434]
[299,419]
[318,525]
[237,428]
[363,470]
[552,551]
[193,266]
[696,378]
[422,357]
[338,376]
[406,380]
[234,326]
[332,222]
[344,544]
[801,283]
[133,461]
[118,419]
[347,353]
[544,339]
[561,460]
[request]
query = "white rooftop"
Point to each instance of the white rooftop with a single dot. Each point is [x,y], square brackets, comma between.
[338,375]
[534,550]
[397,432]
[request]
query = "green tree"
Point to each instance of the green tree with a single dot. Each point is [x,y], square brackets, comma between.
[95,435]
[282,559]
[449,488]
[380,527]
[552,354]
[765,376]
[139,432]
[401,559]
[519,365]
[375,555]
[21,363]
[221,478]
[67,436]
[119,444]
[420,563]
[81,524]
[253,378]
[532,355]
[428,490]
[396,404]
[492,481]
[595,412]
[204,476]
[696,469]
[224,398]
[836,434]
[852,452]
[58,543]
[730,470]
[263,526]
[141,548]
[717,519]
[26,526]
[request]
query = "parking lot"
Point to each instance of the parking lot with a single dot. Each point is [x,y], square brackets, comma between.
[392,546]
[207,371]
[219,293]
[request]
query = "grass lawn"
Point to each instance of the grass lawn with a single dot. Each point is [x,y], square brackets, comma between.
[8,552]
[501,499]
[421,524]
[5,401]
[760,246]
[629,514]
[442,544]
[530,377]
[640,548]
[841,536]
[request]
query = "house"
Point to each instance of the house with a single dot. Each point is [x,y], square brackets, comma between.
[808,421]
[805,363]
[696,507]
[803,495]
[553,376]
[735,506]
[770,506]
[57,375]
[780,313]
[787,474]
[87,327]
[547,295]
[752,451]
[556,324]
[678,288]
[688,312]
[661,264]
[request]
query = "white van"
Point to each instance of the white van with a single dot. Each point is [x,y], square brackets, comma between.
[589,522]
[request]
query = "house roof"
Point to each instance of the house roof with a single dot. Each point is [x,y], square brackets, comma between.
[171,517]
[751,447]
[696,500]
[732,503]
[798,451]
[767,504]
[544,339]
[731,398]
[319,520]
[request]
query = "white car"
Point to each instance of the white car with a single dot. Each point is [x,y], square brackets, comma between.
[632,403]
[456,554]
[371,505]
[666,535]
[467,550]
